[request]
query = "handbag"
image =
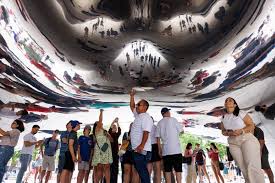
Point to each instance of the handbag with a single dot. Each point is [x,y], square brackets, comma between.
[104,147]
[221,165]
[229,155]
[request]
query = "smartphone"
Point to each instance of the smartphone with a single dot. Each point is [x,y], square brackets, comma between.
[143,152]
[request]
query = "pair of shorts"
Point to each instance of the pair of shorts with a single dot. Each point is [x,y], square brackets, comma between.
[200,163]
[265,162]
[69,164]
[48,163]
[155,153]
[172,161]
[127,158]
[38,163]
[61,162]
[84,165]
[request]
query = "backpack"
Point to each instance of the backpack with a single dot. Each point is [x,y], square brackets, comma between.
[47,141]
[199,156]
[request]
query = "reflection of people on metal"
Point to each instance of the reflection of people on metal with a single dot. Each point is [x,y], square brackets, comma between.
[267,111]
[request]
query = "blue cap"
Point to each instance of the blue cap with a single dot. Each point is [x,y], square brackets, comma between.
[164,110]
[74,123]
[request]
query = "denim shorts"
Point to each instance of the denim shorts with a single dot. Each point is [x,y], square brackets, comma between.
[61,162]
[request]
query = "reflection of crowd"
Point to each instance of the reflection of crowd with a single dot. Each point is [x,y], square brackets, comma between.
[249,58]
[187,23]
[141,63]
[99,28]
[202,79]
[13,68]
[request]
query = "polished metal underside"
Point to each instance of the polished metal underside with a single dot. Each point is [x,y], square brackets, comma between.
[79,53]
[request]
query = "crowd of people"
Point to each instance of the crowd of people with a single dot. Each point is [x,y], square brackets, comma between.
[146,149]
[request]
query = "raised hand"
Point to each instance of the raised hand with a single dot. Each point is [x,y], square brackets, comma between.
[132,92]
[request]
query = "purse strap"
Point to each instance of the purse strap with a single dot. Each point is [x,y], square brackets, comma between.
[97,142]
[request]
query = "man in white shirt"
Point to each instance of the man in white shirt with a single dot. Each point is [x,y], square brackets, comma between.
[30,142]
[140,137]
[168,131]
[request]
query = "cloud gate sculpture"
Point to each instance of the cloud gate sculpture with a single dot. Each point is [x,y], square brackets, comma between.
[70,56]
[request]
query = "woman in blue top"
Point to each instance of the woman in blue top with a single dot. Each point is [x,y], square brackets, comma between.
[85,151]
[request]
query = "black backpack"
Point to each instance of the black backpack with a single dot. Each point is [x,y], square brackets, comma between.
[199,156]
[47,141]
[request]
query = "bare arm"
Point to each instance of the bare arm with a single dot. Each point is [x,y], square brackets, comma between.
[143,141]
[28,143]
[249,126]
[78,154]
[41,150]
[224,131]
[71,149]
[38,143]
[159,147]
[4,133]
[100,119]
[262,142]
[132,100]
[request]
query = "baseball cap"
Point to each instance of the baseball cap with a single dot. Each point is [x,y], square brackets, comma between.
[164,110]
[74,123]
[88,127]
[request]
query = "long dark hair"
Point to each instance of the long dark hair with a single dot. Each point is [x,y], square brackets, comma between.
[20,124]
[237,109]
[188,146]
[213,144]
[94,127]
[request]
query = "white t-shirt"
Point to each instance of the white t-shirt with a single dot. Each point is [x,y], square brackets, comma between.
[28,150]
[143,122]
[168,129]
[153,135]
[232,122]
[11,139]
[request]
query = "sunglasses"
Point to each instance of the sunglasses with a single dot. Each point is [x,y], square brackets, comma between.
[139,105]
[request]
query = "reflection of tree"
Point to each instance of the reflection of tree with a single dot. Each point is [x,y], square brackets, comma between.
[31,52]
[14,158]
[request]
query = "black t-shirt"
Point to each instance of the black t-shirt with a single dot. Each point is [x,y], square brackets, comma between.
[259,134]
[114,144]
[73,136]
[270,112]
